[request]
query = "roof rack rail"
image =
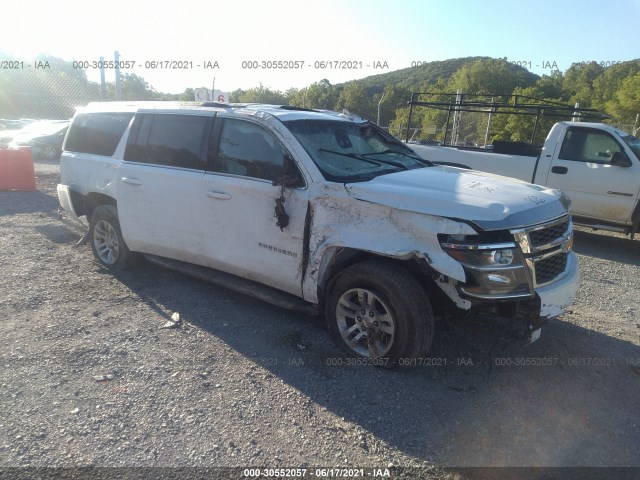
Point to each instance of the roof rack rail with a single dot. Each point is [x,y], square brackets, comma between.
[494,103]
[300,109]
[216,104]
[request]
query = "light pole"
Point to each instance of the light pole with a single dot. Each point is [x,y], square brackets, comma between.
[380,103]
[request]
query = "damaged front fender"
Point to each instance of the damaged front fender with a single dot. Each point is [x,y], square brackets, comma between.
[340,221]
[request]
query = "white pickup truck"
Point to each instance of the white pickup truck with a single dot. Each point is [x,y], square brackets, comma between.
[596,165]
[318,211]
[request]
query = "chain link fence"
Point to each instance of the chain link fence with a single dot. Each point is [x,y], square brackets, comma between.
[33,94]
[56,92]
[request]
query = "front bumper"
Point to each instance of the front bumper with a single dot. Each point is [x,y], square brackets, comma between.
[524,316]
[556,297]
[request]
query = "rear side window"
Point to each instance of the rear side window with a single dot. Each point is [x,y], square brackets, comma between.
[97,133]
[171,140]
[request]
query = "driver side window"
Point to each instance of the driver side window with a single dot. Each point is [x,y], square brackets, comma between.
[590,146]
[249,150]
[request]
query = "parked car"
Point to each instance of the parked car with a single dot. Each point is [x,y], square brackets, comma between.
[45,137]
[319,211]
[13,124]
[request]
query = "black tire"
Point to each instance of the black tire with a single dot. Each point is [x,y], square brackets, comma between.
[106,240]
[398,322]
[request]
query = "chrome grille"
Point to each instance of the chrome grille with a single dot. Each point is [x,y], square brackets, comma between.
[545,248]
[539,238]
[550,268]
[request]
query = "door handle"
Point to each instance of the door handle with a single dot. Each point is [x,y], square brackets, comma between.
[131,181]
[560,170]
[622,194]
[218,195]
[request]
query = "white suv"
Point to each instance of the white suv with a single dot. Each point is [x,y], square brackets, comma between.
[320,211]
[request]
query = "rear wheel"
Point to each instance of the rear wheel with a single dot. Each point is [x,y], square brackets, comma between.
[378,310]
[106,239]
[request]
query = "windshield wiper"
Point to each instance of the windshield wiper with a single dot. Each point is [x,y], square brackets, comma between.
[389,150]
[351,155]
[360,156]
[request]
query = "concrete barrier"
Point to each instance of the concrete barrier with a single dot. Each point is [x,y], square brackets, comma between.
[16,170]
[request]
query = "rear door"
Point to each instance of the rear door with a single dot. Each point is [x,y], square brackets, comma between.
[161,185]
[583,169]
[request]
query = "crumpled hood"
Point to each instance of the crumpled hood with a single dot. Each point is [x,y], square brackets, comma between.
[490,201]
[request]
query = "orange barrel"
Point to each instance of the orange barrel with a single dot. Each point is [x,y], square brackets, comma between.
[16,169]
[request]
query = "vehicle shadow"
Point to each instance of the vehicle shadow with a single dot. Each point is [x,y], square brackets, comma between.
[569,399]
[607,246]
[13,203]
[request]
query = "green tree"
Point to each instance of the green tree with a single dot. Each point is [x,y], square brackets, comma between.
[482,77]
[578,83]
[51,88]
[490,76]
[320,94]
[626,103]
[393,98]
[291,94]
[550,86]
[426,123]
[234,97]
[260,94]
[606,85]
[187,96]
[132,88]
[353,98]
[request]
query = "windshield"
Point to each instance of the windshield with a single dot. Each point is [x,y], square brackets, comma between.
[634,144]
[353,152]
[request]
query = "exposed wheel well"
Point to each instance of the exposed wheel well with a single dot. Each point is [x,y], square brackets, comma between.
[345,257]
[91,201]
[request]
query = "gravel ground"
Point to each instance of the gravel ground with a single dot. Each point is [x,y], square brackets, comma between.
[95,373]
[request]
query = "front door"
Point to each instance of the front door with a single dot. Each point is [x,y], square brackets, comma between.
[583,169]
[240,219]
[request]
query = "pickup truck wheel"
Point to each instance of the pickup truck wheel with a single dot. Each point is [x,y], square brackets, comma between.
[378,310]
[106,239]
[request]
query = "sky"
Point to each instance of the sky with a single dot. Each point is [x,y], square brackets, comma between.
[329,39]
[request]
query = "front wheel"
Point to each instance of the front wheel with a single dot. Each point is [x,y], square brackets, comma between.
[378,310]
[50,152]
[106,239]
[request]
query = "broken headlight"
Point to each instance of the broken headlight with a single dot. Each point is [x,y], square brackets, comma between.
[494,269]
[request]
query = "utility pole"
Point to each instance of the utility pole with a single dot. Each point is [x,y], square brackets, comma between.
[486,135]
[103,85]
[379,103]
[456,117]
[116,57]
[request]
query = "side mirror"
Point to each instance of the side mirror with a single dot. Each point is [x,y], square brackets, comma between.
[620,159]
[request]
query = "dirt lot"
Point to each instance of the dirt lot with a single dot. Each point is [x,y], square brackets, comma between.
[90,377]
